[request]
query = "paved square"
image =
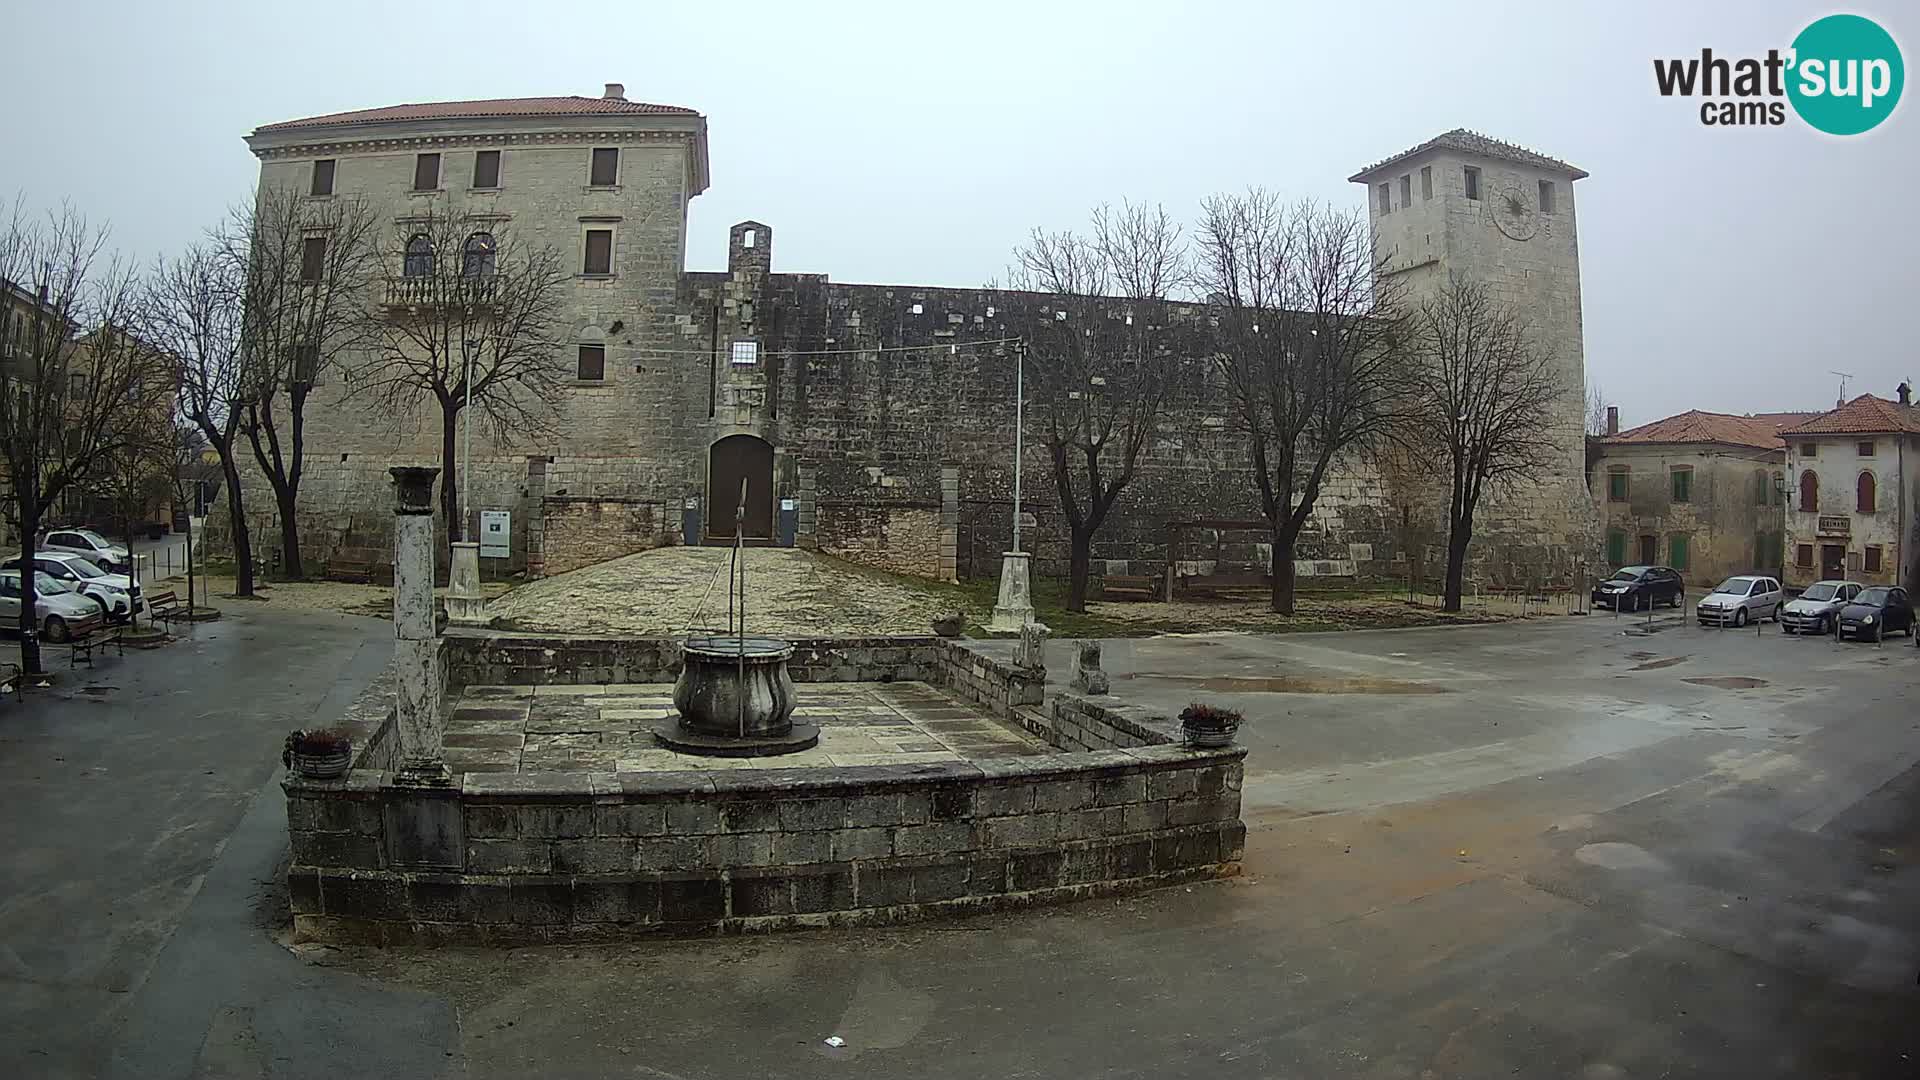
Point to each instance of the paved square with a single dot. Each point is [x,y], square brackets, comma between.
[610,728]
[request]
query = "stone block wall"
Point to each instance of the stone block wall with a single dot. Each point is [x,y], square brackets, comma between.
[583,531]
[995,685]
[903,538]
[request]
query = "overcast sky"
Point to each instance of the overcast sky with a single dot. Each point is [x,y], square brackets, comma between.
[1728,269]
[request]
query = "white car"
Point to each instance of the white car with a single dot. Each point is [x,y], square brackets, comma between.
[117,594]
[90,546]
[1814,610]
[1740,599]
[62,615]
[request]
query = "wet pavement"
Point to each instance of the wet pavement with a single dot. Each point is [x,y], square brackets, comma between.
[1578,849]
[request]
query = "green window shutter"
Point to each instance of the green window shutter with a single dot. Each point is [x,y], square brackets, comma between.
[1683,485]
[1617,547]
[1616,487]
[1677,548]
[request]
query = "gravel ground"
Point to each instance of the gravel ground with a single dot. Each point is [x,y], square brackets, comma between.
[667,590]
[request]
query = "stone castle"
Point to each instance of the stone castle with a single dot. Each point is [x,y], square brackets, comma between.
[855,431]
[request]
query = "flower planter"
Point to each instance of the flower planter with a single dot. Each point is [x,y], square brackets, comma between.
[326,766]
[1209,727]
[1209,738]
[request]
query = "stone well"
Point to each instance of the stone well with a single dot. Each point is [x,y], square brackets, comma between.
[547,834]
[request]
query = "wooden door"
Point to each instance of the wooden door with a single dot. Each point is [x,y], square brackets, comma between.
[734,459]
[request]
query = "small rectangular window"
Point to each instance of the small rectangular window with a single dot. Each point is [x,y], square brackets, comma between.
[1617,486]
[1406,191]
[599,252]
[426,172]
[1546,196]
[1853,560]
[313,258]
[746,352]
[1807,449]
[1866,449]
[1682,485]
[1426,182]
[1473,182]
[486,169]
[606,167]
[1871,564]
[1803,555]
[323,177]
[1386,198]
[592,363]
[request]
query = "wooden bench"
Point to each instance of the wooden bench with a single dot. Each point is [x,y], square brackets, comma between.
[99,639]
[1246,585]
[352,564]
[166,607]
[1129,587]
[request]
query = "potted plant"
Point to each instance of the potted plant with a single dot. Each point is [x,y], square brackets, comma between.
[1209,725]
[319,755]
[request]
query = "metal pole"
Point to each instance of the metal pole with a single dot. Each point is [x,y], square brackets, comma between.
[466,433]
[1019,430]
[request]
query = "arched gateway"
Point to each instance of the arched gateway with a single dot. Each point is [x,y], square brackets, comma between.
[731,460]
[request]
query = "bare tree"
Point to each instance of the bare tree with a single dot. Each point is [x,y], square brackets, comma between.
[310,267]
[69,367]
[1485,398]
[1309,343]
[193,316]
[472,320]
[1597,406]
[1098,331]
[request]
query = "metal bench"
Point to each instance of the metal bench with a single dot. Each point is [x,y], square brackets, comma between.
[165,607]
[99,639]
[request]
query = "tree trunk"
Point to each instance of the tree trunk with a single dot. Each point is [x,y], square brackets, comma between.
[1283,543]
[450,507]
[1457,537]
[237,519]
[29,625]
[190,557]
[1079,567]
[291,568]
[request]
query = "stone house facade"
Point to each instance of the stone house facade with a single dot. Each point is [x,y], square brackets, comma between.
[1702,492]
[873,422]
[1853,493]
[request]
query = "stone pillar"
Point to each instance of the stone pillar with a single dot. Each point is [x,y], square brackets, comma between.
[465,604]
[536,517]
[807,517]
[1088,678]
[1015,608]
[949,523]
[416,645]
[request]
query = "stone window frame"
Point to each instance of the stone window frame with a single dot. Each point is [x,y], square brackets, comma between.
[1809,491]
[439,173]
[734,354]
[610,226]
[589,337]
[1864,448]
[332,174]
[1470,181]
[593,156]
[1866,492]
[1803,556]
[499,169]
[1871,561]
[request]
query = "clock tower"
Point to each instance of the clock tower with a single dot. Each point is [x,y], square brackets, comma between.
[1462,203]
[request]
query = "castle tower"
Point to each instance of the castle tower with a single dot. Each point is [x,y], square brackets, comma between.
[1501,215]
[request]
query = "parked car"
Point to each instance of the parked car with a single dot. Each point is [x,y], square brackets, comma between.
[1739,600]
[1632,588]
[1877,612]
[1814,609]
[90,546]
[117,594]
[62,615]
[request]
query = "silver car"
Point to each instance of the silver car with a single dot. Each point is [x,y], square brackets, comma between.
[117,594]
[1814,610]
[1739,600]
[62,615]
[90,546]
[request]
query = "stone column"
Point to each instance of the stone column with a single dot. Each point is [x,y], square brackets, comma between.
[465,604]
[806,519]
[949,523]
[416,645]
[1015,608]
[536,517]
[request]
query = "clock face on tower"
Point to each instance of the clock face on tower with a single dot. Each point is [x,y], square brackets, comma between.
[1513,212]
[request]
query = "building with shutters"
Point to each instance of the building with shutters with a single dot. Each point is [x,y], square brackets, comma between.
[1854,484]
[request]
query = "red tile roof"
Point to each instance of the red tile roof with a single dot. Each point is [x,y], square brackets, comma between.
[1760,431]
[454,110]
[1863,415]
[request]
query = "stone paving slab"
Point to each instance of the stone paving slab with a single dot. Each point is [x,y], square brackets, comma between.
[610,728]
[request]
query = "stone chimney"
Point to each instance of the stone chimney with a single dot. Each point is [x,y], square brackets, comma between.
[1905,393]
[615,92]
[1613,419]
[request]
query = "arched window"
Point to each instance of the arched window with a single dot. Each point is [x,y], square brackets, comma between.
[1809,491]
[1863,493]
[477,260]
[419,261]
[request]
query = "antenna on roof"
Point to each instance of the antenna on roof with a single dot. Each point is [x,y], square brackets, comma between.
[1844,376]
